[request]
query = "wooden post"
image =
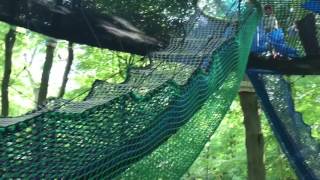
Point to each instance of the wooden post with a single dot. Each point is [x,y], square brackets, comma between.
[254,136]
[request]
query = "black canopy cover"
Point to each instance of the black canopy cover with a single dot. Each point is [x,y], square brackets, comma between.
[137,27]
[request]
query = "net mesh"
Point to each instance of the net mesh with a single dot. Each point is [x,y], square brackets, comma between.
[155,124]
[157,110]
[287,29]
[287,124]
[293,134]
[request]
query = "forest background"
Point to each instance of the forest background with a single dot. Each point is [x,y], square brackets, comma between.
[224,157]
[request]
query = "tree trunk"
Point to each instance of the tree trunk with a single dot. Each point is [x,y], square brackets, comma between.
[9,43]
[254,137]
[67,70]
[51,45]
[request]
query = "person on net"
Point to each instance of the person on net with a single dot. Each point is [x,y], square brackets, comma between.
[269,21]
[269,25]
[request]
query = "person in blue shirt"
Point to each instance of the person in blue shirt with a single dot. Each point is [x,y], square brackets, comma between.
[270,40]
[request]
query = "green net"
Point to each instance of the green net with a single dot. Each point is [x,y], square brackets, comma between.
[172,159]
[151,126]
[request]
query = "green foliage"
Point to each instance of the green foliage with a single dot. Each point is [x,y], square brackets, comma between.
[164,16]
[90,64]
[3,30]
[93,63]
[15,107]
[105,64]
[307,101]
[224,157]
[216,8]
[277,165]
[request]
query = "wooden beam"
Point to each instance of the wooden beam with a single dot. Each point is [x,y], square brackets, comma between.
[254,137]
[298,66]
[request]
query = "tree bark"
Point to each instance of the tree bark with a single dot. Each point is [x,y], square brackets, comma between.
[51,45]
[67,70]
[254,137]
[9,43]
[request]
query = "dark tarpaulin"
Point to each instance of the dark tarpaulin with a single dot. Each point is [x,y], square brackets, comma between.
[129,26]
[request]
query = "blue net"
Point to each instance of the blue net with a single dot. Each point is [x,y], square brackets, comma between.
[288,125]
[312,5]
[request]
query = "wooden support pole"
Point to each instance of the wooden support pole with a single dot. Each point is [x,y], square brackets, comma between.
[254,136]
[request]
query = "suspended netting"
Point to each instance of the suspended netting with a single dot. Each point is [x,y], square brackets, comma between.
[293,134]
[151,126]
[155,124]
[288,125]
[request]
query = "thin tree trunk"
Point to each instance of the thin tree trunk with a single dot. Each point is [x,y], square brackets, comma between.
[254,137]
[67,70]
[9,43]
[51,45]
